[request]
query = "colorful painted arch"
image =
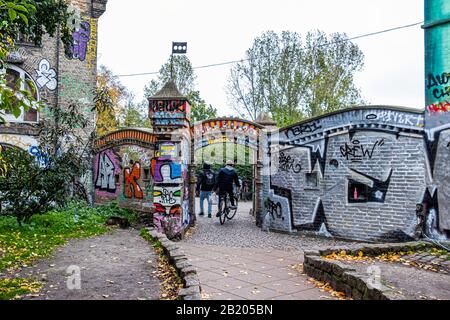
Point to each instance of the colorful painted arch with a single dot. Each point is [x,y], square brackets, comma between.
[126,136]
[220,124]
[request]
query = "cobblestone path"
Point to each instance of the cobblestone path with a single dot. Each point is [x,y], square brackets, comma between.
[238,261]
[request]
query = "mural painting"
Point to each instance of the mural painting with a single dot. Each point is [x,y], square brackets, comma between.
[341,165]
[132,175]
[108,168]
[122,173]
[165,170]
[46,76]
[80,37]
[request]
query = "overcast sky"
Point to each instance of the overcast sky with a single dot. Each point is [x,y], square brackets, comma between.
[135,36]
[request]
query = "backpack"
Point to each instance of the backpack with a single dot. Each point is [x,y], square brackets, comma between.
[209,179]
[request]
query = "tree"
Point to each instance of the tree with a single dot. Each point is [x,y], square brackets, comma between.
[31,19]
[294,79]
[134,115]
[184,78]
[47,175]
[110,93]
[183,75]
[199,110]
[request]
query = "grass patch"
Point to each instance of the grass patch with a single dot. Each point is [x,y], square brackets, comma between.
[22,245]
[171,282]
[12,288]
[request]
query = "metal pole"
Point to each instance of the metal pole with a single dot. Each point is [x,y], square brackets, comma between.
[171,66]
[437,62]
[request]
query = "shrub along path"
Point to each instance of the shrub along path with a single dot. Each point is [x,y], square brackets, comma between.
[119,265]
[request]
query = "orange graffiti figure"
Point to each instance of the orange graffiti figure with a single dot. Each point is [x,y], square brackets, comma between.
[132,188]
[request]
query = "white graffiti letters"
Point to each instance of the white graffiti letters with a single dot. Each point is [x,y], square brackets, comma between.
[105,179]
[46,77]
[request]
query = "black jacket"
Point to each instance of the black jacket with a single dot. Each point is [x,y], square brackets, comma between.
[201,181]
[226,178]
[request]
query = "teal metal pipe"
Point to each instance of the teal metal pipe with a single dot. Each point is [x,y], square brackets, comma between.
[437,62]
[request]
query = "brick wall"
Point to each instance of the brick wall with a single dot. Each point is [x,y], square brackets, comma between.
[70,79]
[355,174]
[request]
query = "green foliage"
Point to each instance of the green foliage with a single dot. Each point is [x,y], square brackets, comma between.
[34,185]
[134,115]
[21,245]
[33,19]
[12,288]
[183,75]
[199,110]
[30,19]
[184,78]
[15,99]
[112,209]
[294,78]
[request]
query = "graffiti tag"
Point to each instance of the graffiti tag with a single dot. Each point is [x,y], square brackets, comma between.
[288,164]
[436,82]
[439,107]
[304,128]
[80,39]
[42,158]
[356,152]
[46,76]
[165,170]
[275,209]
[167,196]
[132,188]
[106,175]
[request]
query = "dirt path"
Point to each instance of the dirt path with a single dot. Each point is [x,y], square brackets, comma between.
[116,266]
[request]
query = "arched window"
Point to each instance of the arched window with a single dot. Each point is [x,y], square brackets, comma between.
[13,74]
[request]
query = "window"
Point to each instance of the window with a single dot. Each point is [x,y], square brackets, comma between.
[13,74]
[357,192]
[146,174]
[25,40]
[312,180]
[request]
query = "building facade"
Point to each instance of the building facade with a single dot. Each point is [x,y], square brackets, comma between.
[61,76]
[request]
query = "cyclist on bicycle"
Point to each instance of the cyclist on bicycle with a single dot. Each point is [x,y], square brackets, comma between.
[226,178]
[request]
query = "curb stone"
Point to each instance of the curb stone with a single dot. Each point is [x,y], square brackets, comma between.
[345,279]
[179,261]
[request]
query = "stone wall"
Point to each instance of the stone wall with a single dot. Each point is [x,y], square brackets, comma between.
[355,174]
[123,174]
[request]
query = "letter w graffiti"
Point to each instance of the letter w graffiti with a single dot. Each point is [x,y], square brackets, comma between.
[132,188]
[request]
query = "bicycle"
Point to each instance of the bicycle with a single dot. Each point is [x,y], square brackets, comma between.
[225,212]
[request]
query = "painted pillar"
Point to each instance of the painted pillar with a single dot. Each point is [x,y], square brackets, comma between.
[437,113]
[437,62]
[169,112]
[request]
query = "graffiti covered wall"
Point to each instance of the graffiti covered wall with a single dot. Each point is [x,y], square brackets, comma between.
[171,189]
[354,174]
[437,112]
[122,173]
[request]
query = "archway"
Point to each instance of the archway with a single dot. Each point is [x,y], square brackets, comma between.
[216,141]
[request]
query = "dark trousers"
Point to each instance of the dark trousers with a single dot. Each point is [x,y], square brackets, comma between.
[222,194]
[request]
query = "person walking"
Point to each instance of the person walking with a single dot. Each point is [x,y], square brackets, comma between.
[226,179]
[205,185]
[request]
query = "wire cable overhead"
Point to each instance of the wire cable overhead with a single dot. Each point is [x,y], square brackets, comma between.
[247,59]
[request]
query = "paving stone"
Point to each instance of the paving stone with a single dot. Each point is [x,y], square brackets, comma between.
[239,260]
